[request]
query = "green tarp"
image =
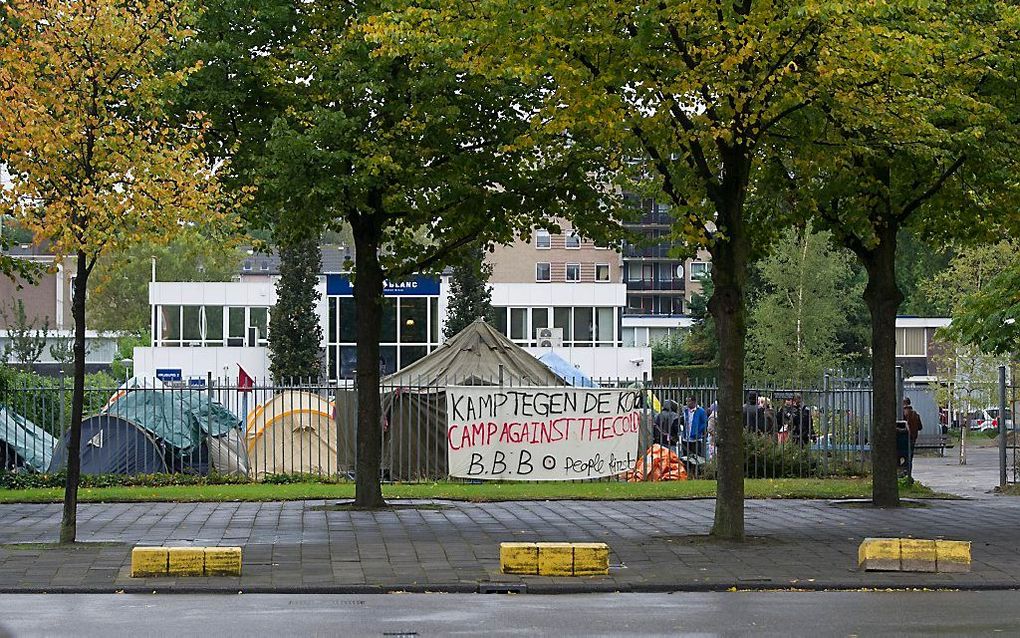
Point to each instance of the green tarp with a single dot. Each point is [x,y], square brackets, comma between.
[29,441]
[179,418]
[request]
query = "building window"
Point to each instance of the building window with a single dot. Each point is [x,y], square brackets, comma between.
[634,271]
[601,272]
[542,239]
[911,342]
[700,269]
[665,272]
[543,272]
[573,272]
[572,241]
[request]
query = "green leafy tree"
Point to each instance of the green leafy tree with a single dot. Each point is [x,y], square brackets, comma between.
[470,295]
[798,315]
[120,299]
[26,337]
[914,130]
[418,159]
[917,262]
[701,342]
[970,271]
[295,336]
[690,95]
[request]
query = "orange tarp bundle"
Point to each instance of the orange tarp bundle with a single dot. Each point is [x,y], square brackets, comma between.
[665,466]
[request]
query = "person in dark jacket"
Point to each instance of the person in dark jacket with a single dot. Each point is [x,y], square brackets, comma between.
[800,426]
[754,414]
[667,424]
[914,425]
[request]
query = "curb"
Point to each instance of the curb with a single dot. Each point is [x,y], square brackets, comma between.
[535,588]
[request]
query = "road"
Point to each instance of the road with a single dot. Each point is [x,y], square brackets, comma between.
[975,480]
[708,614]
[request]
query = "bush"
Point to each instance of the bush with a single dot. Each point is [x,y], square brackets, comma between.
[46,401]
[765,457]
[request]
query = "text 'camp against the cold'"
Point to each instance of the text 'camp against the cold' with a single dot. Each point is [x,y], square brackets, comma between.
[541,434]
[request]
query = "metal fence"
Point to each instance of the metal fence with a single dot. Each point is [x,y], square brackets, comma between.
[311,428]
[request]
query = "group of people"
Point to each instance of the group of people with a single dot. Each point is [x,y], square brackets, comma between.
[687,430]
[791,423]
[690,430]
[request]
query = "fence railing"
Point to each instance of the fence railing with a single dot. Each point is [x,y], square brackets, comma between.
[311,428]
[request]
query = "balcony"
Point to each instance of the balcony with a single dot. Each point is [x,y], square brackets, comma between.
[653,251]
[656,285]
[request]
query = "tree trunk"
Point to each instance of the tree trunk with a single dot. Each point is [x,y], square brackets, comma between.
[368,298]
[883,298]
[729,276]
[69,522]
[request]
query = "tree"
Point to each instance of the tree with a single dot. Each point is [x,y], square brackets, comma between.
[990,319]
[119,300]
[796,319]
[915,131]
[419,160]
[92,164]
[701,341]
[690,96]
[25,340]
[470,295]
[295,336]
[968,273]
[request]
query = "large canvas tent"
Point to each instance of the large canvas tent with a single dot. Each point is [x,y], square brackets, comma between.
[295,432]
[23,444]
[113,445]
[414,399]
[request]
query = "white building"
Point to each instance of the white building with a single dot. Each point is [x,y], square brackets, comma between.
[204,328]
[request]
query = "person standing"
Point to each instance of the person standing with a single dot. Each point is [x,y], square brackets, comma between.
[667,424]
[754,414]
[801,430]
[695,426]
[914,427]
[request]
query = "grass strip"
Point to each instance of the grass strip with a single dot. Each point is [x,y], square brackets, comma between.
[485,492]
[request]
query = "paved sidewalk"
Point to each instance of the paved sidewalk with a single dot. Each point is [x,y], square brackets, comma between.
[976,479]
[445,546]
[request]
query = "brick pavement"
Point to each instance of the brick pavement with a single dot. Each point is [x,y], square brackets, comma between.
[447,546]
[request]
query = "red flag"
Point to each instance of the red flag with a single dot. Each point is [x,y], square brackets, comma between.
[244,381]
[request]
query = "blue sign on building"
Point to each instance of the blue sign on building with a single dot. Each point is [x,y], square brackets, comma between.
[168,374]
[419,286]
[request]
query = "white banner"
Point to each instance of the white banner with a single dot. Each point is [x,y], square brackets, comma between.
[541,434]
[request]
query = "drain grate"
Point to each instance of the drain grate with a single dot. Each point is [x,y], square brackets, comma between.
[502,588]
[400,634]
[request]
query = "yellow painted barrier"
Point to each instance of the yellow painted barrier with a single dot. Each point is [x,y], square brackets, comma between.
[914,555]
[952,556]
[554,559]
[879,554]
[222,561]
[148,561]
[185,561]
[518,558]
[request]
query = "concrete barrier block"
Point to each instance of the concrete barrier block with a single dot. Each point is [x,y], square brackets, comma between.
[555,559]
[222,561]
[149,561]
[186,561]
[518,558]
[879,554]
[917,555]
[591,559]
[952,556]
